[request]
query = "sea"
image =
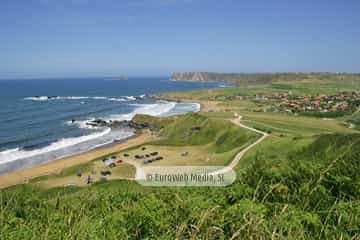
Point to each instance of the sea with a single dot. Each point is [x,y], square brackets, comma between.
[42,120]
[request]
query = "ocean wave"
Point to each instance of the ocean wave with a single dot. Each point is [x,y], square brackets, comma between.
[52,98]
[156,109]
[159,108]
[117,99]
[16,153]
[9,151]
[82,123]
[130,98]
[198,107]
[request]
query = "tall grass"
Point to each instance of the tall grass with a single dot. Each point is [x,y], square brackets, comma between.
[315,195]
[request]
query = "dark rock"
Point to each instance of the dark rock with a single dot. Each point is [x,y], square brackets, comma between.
[138,125]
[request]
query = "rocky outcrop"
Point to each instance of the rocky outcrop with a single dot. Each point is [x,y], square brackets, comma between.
[138,126]
[97,123]
[116,124]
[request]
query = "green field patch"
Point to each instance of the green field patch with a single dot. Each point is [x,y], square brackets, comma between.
[298,125]
[196,129]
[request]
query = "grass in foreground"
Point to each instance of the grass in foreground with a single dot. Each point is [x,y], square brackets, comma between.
[299,199]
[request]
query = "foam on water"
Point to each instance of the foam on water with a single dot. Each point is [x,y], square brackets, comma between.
[156,109]
[130,98]
[9,151]
[13,155]
[50,98]
[82,124]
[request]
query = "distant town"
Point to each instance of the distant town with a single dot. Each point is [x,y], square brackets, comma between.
[344,102]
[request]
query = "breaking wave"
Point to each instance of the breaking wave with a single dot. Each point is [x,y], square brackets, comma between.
[117,99]
[14,154]
[157,109]
[8,151]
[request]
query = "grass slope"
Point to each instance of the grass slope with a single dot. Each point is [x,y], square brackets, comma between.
[196,129]
[299,199]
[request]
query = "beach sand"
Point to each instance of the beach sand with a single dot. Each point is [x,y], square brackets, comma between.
[57,166]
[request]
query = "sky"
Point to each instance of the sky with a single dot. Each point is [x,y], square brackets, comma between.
[80,38]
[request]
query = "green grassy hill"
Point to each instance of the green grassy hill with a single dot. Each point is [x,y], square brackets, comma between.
[196,129]
[277,79]
[312,193]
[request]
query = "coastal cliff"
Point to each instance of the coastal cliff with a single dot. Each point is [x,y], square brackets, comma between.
[258,78]
[232,78]
[197,76]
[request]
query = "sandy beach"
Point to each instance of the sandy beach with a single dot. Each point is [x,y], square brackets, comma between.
[57,166]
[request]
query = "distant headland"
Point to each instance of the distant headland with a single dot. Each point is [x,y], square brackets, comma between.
[116,78]
[255,78]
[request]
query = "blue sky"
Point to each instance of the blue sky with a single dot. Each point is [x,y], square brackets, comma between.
[55,38]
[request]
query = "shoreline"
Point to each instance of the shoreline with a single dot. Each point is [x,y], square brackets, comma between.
[57,166]
[15,168]
[23,176]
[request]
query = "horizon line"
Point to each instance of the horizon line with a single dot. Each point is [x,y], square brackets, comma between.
[169,75]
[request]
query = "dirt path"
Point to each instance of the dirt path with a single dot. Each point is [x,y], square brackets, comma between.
[238,156]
